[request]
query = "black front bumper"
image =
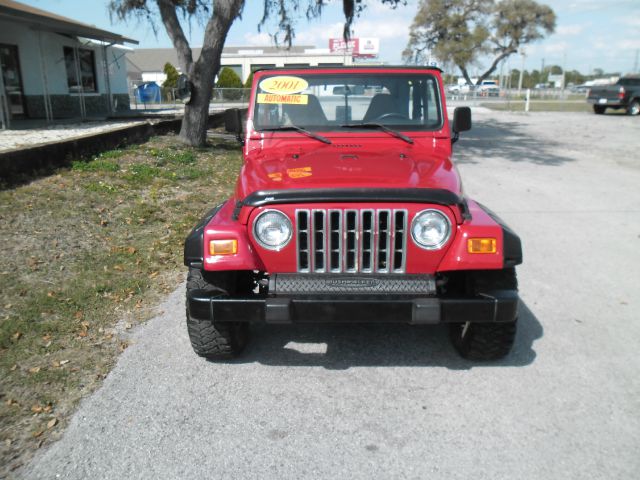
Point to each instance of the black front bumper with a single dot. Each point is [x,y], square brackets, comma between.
[496,306]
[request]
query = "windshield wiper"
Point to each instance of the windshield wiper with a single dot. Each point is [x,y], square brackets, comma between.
[284,128]
[384,128]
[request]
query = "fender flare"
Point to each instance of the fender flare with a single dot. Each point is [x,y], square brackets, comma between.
[512,246]
[193,244]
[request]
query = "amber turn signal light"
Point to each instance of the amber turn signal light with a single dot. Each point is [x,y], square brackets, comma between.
[223,247]
[481,245]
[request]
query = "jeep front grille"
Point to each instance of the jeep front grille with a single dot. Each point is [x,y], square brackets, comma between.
[351,241]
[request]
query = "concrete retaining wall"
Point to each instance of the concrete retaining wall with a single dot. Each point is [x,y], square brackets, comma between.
[42,159]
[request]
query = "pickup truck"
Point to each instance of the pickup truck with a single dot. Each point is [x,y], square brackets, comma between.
[625,94]
[488,88]
[348,208]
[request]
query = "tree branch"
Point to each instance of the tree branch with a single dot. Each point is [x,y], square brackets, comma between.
[495,63]
[465,74]
[215,34]
[175,32]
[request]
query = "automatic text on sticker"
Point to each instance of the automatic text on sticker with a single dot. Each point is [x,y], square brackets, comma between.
[283,84]
[287,99]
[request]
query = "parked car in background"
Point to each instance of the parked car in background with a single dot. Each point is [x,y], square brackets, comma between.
[457,89]
[625,94]
[488,88]
[580,88]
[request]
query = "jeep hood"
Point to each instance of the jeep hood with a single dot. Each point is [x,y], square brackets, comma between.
[424,164]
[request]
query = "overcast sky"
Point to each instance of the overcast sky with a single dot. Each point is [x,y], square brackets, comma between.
[589,33]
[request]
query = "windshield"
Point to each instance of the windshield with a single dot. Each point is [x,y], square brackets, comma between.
[328,102]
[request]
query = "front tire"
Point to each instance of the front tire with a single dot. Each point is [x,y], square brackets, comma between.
[209,339]
[483,341]
[486,341]
[634,108]
[599,109]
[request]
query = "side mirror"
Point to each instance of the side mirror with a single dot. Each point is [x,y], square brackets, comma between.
[233,122]
[183,90]
[461,119]
[461,122]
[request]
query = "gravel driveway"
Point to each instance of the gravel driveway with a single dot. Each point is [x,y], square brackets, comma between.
[363,402]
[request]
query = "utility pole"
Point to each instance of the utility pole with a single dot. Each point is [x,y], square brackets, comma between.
[564,69]
[521,71]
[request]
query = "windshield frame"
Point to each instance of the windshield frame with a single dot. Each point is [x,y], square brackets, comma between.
[335,126]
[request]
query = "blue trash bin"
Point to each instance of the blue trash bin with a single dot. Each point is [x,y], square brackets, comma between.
[148,92]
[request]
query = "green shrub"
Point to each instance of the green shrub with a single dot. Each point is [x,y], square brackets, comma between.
[172,79]
[228,79]
[249,81]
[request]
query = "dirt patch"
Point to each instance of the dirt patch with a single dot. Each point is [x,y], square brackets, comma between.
[86,255]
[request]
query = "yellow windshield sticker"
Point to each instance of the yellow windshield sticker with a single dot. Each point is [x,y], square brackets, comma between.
[299,172]
[287,99]
[283,84]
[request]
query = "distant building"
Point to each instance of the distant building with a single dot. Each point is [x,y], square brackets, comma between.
[147,64]
[55,67]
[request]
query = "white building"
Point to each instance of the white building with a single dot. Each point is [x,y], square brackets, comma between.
[54,67]
[147,64]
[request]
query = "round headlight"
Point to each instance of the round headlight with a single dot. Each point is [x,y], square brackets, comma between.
[272,229]
[430,229]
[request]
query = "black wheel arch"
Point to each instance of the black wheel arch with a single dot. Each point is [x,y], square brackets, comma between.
[193,244]
[512,245]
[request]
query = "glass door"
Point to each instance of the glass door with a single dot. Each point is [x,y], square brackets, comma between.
[12,80]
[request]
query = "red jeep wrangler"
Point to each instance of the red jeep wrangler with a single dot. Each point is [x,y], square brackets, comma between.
[348,208]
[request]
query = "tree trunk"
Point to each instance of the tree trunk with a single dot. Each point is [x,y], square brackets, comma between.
[196,113]
[202,72]
[465,74]
[505,53]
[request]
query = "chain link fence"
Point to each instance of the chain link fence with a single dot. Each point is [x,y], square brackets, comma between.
[550,99]
[166,99]
[524,100]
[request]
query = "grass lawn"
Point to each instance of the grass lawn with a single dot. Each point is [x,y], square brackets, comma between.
[85,255]
[541,106]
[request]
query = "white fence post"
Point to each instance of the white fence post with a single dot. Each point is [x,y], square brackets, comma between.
[526,102]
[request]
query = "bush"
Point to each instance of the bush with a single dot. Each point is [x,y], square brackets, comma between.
[172,79]
[228,79]
[249,81]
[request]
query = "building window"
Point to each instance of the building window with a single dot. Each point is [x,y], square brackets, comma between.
[259,66]
[86,70]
